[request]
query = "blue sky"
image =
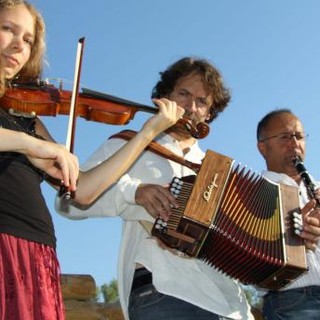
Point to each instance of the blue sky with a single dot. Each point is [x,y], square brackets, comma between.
[267,51]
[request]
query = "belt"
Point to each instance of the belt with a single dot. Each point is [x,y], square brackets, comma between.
[307,289]
[141,278]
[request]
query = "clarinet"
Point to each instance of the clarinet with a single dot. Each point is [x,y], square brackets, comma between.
[311,191]
[304,174]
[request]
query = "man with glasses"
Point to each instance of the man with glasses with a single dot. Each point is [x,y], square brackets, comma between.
[281,137]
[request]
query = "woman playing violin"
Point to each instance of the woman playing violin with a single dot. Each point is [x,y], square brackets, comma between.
[29,270]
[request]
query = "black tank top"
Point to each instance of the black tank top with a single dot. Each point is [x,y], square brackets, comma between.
[23,211]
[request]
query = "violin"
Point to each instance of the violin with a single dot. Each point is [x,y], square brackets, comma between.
[43,99]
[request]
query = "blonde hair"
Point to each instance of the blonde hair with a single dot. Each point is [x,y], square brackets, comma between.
[33,68]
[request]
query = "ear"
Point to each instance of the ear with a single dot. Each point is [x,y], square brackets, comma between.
[262,148]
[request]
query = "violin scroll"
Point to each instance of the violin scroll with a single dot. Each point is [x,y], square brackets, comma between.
[197,131]
[203,130]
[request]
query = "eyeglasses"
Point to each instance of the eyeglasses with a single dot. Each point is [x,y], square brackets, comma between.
[184,96]
[286,137]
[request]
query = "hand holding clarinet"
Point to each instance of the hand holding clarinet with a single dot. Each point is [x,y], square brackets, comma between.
[307,223]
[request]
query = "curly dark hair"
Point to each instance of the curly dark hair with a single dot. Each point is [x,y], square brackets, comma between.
[211,76]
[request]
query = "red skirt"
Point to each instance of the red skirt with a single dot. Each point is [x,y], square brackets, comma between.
[29,281]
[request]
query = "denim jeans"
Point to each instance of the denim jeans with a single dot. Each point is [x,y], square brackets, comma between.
[147,303]
[293,304]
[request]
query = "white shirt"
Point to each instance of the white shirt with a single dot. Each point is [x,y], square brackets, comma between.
[312,276]
[188,279]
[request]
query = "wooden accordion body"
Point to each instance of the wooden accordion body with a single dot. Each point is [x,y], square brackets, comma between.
[236,221]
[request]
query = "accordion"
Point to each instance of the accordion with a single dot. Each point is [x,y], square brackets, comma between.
[236,221]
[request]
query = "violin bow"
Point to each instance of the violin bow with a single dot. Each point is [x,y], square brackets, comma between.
[64,192]
[74,97]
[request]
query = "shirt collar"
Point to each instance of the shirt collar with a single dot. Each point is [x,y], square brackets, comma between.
[169,142]
[279,178]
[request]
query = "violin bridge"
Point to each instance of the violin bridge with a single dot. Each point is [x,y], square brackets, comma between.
[16,113]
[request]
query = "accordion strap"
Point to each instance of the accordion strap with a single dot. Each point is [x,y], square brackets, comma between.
[157,148]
